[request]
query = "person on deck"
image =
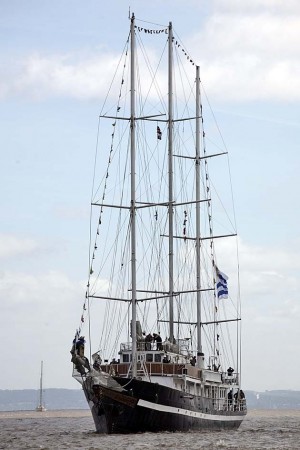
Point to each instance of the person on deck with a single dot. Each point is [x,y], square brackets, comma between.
[229,397]
[158,341]
[193,361]
[230,371]
[148,340]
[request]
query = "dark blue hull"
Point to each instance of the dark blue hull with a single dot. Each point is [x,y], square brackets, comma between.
[151,407]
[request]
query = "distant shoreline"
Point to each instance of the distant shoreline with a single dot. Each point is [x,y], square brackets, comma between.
[81,413]
[32,414]
[74,400]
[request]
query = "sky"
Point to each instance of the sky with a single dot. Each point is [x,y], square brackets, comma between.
[56,60]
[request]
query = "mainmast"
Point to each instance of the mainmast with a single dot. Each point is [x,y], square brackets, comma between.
[198,241]
[132,205]
[170,170]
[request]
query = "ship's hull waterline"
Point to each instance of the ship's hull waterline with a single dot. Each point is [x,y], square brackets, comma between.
[151,407]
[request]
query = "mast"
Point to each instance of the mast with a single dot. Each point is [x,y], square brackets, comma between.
[170,174]
[198,242]
[40,406]
[132,205]
[41,385]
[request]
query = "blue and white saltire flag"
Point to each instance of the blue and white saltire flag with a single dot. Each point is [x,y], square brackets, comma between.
[221,284]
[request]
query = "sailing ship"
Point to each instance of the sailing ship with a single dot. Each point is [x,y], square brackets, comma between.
[168,357]
[41,405]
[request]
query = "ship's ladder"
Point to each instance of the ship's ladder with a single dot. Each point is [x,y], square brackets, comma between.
[142,371]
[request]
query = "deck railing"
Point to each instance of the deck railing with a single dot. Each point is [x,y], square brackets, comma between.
[222,404]
[180,347]
[230,379]
[158,369]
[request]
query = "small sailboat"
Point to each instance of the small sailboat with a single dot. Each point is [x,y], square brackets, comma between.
[163,325]
[41,406]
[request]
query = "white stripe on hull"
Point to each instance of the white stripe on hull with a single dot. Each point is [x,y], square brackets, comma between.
[187,412]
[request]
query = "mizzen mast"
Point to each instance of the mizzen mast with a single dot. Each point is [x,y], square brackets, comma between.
[170,174]
[198,231]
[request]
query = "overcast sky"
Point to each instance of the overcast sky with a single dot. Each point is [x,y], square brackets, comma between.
[56,59]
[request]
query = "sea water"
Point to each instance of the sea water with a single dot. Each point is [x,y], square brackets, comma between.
[261,430]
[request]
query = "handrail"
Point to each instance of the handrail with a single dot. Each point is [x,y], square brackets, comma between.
[221,404]
[153,368]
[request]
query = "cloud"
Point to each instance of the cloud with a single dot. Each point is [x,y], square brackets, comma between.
[11,246]
[270,312]
[277,7]
[271,273]
[269,279]
[39,317]
[61,75]
[249,54]
[248,51]
[80,76]
[49,289]
[75,75]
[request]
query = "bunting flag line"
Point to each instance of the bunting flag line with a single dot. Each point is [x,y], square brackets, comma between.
[221,284]
[159,133]
[147,30]
[165,31]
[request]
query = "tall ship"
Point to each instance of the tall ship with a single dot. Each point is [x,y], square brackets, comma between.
[158,342]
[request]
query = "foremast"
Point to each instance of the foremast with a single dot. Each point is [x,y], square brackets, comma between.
[133,199]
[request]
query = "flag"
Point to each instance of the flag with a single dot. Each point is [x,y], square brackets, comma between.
[221,284]
[158,133]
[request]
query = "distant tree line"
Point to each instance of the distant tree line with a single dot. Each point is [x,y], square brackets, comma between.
[27,399]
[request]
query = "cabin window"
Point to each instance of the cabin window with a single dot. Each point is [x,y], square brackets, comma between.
[126,358]
[157,358]
[149,357]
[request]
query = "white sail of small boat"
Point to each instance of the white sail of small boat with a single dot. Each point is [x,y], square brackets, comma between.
[163,328]
[41,405]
